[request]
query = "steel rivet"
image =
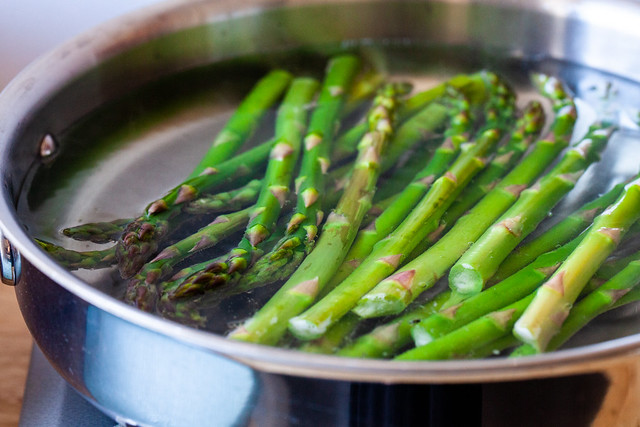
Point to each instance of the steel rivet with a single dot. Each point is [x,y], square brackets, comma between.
[11,262]
[48,146]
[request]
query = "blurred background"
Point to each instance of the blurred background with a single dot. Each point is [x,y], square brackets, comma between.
[28,29]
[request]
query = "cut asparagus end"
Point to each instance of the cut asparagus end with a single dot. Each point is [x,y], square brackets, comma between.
[420,336]
[465,280]
[381,304]
[305,329]
[526,335]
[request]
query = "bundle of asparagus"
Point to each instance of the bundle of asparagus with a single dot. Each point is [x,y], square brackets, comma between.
[445,183]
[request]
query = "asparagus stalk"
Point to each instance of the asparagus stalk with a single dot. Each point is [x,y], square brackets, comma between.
[388,339]
[232,200]
[317,146]
[475,335]
[393,294]
[525,132]
[472,86]
[611,266]
[606,297]
[74,260]
[283,260]
[268,270]
[456,134]
[142,237]
[390,252]
[552,301]
[563,231]
[480,262]
[284,156]
[302,226]
[97,232]
[244,120]
[141,289]
[290,123]
[269,323]
[508,291]
[188,309]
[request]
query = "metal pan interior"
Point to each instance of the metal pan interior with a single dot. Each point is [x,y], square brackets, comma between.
[130,126]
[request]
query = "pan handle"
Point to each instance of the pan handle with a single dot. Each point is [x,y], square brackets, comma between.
[11,262]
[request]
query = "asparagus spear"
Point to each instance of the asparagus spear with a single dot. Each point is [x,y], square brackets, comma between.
[475,335]
[244,120]
[393,294]
[386,340]
[141,289]
[480,262]
[508,291]
[74,260]
[563,231]
[302,227]
[282,261]
[238,198]
[389,252]
[604,298]
[290,123]
[525,132]
[472,86]
[97,232]
[141,238]
[317,144]
[270,322]
[553,300]
[611,266]
[456,134]
[284,157]
[315,163]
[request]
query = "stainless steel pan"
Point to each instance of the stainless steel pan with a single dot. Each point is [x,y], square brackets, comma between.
[149,371]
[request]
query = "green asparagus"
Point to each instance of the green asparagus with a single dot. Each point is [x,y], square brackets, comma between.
[270,322]
[393,294]
[553,300]
[480,262]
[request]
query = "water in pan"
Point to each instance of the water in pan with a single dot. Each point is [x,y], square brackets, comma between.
[144,144]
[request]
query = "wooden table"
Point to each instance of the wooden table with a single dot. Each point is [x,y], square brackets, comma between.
[15,350]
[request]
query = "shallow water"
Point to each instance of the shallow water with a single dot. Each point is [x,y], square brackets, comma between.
[130,152]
